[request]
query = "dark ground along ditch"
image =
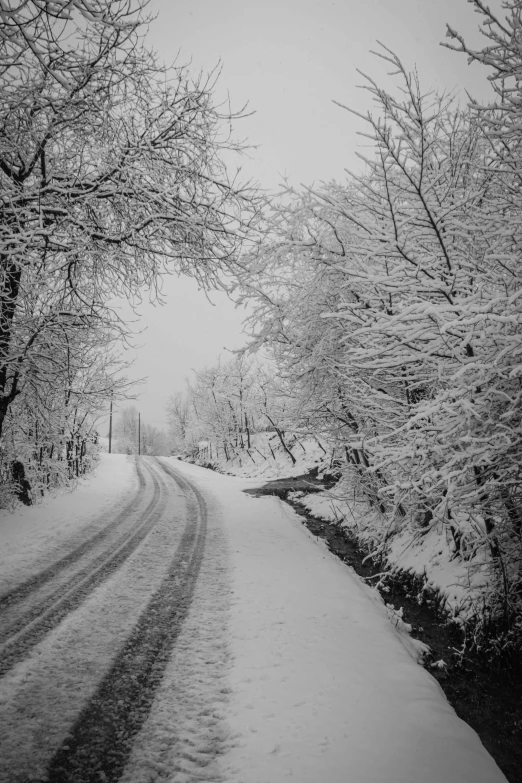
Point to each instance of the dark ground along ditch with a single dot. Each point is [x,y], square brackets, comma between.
[488,698]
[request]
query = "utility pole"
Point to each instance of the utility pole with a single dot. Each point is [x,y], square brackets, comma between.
[139,433]
[110,430]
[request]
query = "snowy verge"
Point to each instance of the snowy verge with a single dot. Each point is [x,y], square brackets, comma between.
[417,649]
[429,554]
[426,553]
[28,531]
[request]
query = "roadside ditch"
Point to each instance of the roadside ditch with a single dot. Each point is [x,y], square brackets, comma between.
[488,698]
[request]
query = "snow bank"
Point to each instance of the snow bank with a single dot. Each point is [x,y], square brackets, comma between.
[427,553]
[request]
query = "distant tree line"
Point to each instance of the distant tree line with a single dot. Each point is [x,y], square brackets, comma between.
[224,406]
[132,435]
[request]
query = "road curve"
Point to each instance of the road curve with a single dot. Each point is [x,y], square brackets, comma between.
[31,610]
[100,743]
[68,721]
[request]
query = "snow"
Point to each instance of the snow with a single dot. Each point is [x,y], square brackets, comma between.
[187,731]
[267,459]
[31,534]
[41,697]
[287,665]
[321,686]
[428,554]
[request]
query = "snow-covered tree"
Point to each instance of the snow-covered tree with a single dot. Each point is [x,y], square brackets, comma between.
[224,406]
[390,305]
[180,417]
[111,174]
[125,431]
[154,442]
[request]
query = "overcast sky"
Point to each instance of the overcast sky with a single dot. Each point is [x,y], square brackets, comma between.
[289,59]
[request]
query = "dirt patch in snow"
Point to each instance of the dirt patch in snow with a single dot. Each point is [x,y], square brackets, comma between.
[488,699]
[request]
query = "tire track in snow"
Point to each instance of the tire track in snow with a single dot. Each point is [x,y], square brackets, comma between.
[30,627]
[42,697]
[19,593]
[101,740]
[186,733]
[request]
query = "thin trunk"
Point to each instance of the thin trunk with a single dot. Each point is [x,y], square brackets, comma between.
[320,444]
[281,438]
[8,301]
[488,522]
[247,428]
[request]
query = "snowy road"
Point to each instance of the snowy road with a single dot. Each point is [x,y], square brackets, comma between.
[161,625]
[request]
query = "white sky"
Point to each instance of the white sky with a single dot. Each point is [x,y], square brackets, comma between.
[288,59]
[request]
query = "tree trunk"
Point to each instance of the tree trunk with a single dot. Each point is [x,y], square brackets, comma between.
[247,428]
[281,438]
[8,300]
[488,522]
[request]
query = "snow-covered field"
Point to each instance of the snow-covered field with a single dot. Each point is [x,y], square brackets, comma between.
[285,665]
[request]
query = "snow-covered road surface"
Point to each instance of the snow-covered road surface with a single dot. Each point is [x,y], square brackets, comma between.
[161,625]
